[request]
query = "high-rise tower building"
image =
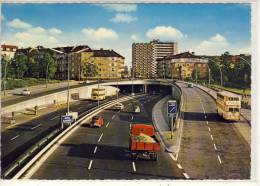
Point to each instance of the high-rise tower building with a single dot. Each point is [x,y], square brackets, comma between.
[145,55]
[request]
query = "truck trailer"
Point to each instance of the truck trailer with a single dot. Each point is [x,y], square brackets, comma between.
[143,143]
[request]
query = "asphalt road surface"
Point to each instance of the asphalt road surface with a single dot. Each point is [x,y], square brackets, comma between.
[15,141]
[102,153]
[211,147]
[20,98]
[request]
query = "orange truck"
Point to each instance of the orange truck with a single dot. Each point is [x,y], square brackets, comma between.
[97,121]
[143,143]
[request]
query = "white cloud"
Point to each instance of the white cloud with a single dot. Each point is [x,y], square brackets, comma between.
[164,32]
[120,7]
[214,45]
[17,23]
[218,38]
[99,34]
[37,30]
[55,31]
[2,17]
[123,18]
[134,37]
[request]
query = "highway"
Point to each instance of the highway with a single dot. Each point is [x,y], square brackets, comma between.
[211,147]
[15,141]
[102,153]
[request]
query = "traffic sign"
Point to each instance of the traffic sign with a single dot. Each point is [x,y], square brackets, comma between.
[171,108]
[67,119]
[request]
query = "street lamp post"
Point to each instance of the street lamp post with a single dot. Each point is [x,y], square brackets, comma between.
[5,77]
[46,79]
[247,62]
[98,89]
[221,73]
[209,75]
[68,90]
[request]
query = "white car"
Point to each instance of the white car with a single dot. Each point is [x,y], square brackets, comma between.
[25,92]
[119,106]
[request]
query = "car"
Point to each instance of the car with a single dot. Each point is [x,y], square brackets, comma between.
[190,85]
[119,106]
[97,121]
[25,92]
[137,109]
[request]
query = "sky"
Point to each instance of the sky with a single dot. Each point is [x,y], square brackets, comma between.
[208,29]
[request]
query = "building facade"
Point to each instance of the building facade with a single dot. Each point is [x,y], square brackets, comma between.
[146,55]
[110,63]
[183,66]
[8,51]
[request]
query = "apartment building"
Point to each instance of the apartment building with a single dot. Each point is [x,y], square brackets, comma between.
[181,66]
[145,56]
[8,51]
[110,63]
[70,56]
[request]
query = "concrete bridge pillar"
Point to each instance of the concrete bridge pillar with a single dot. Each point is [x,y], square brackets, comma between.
[145,88]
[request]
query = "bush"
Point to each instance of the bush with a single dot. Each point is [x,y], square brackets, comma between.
[26,82]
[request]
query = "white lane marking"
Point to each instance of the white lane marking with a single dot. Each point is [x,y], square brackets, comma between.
[36,126]
[219,159]
[211,137]
[90,164]
[54,118]
[133,164]
[171,155]
[99,139]
[113,116]
[207,122]
[118,111]
[186,175]
[95,150]
[14,137]
[132,117]
[107,124]
[205,116]
[209,129]
[215,147]
[179,166]
[130,125]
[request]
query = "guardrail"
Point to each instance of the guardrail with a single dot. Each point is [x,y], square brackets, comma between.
[43,146]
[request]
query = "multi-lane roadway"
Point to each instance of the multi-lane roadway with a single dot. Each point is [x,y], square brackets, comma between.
[102,153]
[211,148]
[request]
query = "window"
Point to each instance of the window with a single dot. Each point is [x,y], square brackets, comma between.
[233,99]
[233,110]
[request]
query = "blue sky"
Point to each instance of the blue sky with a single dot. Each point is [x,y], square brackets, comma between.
[203,28]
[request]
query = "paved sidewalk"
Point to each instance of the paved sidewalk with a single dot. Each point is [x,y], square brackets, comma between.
[161,123]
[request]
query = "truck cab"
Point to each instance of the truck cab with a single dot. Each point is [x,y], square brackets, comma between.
[97,121]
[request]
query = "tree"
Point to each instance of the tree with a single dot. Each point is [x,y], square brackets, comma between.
[19,63]
[125,72]
[90,70]
[47,61]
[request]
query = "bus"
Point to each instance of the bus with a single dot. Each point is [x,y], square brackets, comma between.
[228,105]
[98,94]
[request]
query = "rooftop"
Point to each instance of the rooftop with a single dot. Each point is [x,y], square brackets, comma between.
[106,53]
[70,49]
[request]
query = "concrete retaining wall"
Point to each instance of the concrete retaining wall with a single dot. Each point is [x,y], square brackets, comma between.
[59,97]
